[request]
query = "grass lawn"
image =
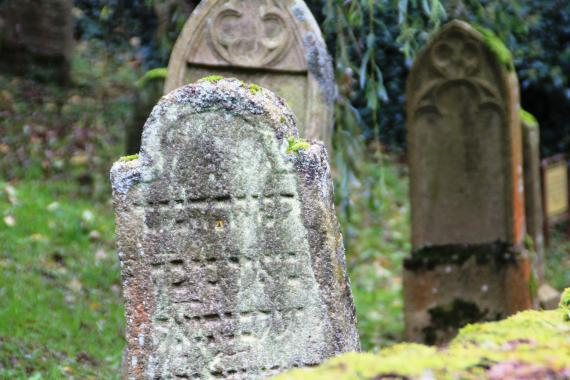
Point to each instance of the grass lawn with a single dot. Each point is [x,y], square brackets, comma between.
[60,308]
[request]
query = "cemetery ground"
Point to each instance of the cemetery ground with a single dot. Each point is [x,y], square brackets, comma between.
[61,313]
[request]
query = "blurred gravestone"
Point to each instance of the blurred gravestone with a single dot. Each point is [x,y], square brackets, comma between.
[37,38]
[533,190]
[468,261]
[276,44]
[232,261]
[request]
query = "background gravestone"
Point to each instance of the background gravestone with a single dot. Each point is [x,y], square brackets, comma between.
[468,261]
[232,261]
[37,37]
[533,192]
[276,44]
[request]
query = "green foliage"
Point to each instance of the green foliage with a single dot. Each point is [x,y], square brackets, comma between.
[375,226]
[372,42]
[557,257]
[61,313]
[565,301]
[296,144]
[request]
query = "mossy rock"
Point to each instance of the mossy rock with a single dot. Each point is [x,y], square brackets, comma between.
[529,345]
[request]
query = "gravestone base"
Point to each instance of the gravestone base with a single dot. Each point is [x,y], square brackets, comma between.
[448,287]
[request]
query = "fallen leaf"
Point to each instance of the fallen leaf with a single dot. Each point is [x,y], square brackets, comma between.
[87,216]
[10,221]
[101,255]
[53,206]
[75,285]
[94,235]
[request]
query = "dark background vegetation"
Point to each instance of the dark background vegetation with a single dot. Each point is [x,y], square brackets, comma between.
[60,306]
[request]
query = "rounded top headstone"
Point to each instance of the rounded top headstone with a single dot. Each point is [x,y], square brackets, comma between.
[277,44]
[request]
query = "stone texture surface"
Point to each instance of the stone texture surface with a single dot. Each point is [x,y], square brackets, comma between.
[466,184]
[533,194]
[276,44]
[37,35]
[232,260]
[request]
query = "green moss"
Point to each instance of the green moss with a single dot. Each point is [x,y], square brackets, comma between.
[528,118]
[497,47]
[129,158]
[152,75]
[254,89]
[212,79]
[295,145]
[535,341]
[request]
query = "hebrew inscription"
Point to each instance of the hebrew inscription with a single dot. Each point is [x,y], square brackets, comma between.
[228,265]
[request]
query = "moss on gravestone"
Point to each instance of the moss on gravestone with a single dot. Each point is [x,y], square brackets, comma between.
[531,345]
[497,47]
[528,118]
[254,89]
[211,79]
[129,158]
[295,145]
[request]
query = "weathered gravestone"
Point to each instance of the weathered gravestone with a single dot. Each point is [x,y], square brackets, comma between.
[37,37]
[232,261]
[533,189]
[468,261]
[276,44]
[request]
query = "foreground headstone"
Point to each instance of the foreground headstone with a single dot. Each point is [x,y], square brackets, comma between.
[37,38]
[232,261]
[468,262]
[276,44]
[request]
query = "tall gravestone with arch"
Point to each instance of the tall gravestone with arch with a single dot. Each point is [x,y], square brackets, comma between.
[467,194]
[275,44]
[232,260]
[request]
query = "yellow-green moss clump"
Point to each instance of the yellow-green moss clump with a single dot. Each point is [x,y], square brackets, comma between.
[129,158]
[295,145]
[497,47]
[159,73]
[528,118]
[531,344]
[211,79]
[254,89]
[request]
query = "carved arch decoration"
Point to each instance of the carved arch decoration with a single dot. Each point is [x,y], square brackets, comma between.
[463,131]
[261,41]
